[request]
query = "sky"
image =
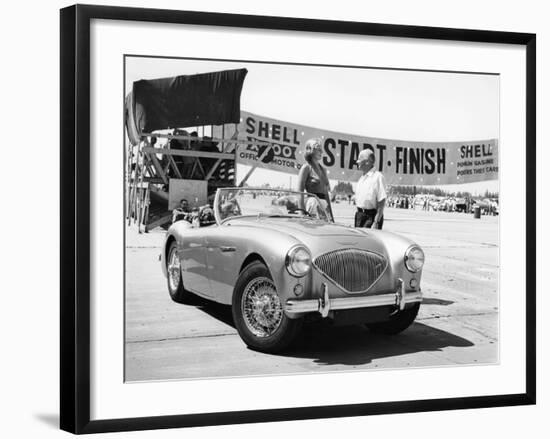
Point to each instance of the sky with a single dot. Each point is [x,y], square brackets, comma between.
[373,102]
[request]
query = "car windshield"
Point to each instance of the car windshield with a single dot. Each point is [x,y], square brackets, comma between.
[234,202]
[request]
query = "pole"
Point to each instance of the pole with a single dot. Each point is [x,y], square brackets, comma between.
[249,173]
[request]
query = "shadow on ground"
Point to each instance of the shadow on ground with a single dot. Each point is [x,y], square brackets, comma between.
[214,309]
[432,301]
[327,344]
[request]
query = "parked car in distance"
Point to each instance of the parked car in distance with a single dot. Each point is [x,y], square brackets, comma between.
[460,205]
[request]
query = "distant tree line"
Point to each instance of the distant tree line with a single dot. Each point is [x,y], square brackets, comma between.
[343,188]
[490,194]
[438,192]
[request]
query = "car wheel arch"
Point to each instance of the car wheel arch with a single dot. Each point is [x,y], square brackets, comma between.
[167,245]
[252,257]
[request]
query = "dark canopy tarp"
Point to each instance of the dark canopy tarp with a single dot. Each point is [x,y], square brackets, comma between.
[184,101]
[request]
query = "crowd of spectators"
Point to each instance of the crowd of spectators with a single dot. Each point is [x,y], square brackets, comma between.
[444,203]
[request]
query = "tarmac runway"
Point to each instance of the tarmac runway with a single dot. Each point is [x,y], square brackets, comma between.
[458,321]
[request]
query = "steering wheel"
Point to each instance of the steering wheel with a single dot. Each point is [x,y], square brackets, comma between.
[299,209]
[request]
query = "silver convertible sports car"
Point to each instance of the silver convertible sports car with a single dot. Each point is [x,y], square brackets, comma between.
[274,256]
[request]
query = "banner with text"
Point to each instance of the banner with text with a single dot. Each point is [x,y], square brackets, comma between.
[401,162]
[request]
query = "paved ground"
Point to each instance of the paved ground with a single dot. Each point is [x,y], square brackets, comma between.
[457,324]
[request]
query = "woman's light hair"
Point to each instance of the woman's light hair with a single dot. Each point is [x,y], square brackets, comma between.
[314,143]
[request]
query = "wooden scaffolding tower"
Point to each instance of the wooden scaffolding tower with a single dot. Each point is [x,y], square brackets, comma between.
[149,169]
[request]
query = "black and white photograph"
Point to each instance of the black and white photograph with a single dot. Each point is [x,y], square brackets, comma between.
[286,218]
[275,219]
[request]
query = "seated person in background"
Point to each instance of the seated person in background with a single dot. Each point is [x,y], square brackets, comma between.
[194,217]
[286,201]
[184,164]
[208,145]
[206,215]
[202,216]
[314,208]
[181,212]
[230,208]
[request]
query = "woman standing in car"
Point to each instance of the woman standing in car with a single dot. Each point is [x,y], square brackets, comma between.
[313,178]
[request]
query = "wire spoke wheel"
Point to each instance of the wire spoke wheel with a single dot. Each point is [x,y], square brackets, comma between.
[174,270]
[174,275]
[261,307]
[258,311]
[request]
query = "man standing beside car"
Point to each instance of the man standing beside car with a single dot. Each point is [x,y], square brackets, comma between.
[370,193]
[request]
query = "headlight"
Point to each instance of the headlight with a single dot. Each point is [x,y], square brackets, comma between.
[298,261]
[414,259]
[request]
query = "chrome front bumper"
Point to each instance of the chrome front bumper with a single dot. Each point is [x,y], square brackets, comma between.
[324,304]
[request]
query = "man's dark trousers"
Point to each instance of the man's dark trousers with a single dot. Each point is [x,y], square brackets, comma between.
[365,218]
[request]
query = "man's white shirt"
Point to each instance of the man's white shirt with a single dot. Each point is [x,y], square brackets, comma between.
[370,190]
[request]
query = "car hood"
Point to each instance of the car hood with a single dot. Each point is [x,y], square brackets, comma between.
[321,237]
[299,226]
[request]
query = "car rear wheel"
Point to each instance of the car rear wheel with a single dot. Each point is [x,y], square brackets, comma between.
[397,323]
[174,279]
[258,312]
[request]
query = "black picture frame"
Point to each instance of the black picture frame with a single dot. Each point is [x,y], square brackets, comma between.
[75,217]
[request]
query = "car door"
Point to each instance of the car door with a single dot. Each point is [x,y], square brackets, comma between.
[193,262]
[223,259]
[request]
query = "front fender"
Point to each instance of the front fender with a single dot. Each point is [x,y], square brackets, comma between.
[175,232]
[249,243]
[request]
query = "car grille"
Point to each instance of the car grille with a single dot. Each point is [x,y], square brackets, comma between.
[351,269]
